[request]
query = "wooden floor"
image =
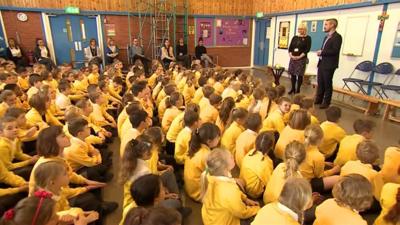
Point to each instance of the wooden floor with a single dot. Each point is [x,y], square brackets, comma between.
[386,134]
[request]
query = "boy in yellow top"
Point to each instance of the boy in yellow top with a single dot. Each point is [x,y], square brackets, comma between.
[246,140]
[228,140]
[198,95]
[275,120]
[35,82]
[205,100]
[257,167]
[100,116]
[294,106]
[333,133]
[115,88]
[367,154]
[352,194]
[81,83]
[142,93]
[209,112]
[295,198]
[23,78]
[140,121]
[391,164]
[174,104]
[390,204]
[153,78]
[26,132]
[191,121]
[223,201]
[8,99]
[348,145]
[308,104]
[188,91]
[10,195]
[10,149]
[93,77]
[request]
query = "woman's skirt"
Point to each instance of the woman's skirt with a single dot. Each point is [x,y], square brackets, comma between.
[297,67]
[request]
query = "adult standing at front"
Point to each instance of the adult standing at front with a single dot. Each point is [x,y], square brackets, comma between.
[42,55]
[15,54]
[167,54]
[182,53]
[328,63]
[112,51]
[93,53]
[298,49]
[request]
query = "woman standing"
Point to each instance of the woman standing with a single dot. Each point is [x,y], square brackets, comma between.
[112,51]
[42,55]
[15,54]
[298,49]
[167,54]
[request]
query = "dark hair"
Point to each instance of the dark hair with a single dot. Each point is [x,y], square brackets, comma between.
[14,112]
[137,118]
[215,99]
[5,94]
[202,81]
[334,21]
[92,88]
[333,114]
[299,119]
[46,144]
[146,189]
[173,99]
[226,108]
[265,142]
[6,119]
[190,117]
[33,78]
[38,102]
[207,91]
[138,87]
[362,125]
[134,149]
[154,135]
[94,96]
[307,103]
[13,87]
[63,86]
[153,216]
[253,122]
[280,90]
[77,125]
[298,98]
[259,93]
[206,132]
[238,113]
[393,215]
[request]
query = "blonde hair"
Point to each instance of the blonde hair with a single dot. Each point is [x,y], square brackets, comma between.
[296,195]
[299,119]
[217,164]
[353,191]
[47,172]
[313,135]
[295,154]
[367,151]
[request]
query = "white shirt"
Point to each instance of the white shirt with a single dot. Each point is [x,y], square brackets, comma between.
[43,52]
[140,170]
[288,211]
[62,101]
[16,52]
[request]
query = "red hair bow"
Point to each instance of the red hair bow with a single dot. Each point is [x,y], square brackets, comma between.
[43,194]
[9,214]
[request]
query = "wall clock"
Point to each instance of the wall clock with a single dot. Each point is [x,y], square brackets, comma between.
[22,17]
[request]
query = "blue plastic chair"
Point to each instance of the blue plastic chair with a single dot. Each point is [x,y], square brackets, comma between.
[383,69]
[366,67]
[391,87]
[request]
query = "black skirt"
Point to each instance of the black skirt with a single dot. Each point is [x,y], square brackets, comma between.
[297,67]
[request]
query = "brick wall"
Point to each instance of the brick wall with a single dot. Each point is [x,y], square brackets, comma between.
[25,32]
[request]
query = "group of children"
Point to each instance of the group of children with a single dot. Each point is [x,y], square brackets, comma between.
[242,149]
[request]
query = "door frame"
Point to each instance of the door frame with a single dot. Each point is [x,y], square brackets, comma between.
[256,39]
[4,29]
[49,36]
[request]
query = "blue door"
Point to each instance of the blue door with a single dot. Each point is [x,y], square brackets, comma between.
[3,45]
[71,34]
[261,42]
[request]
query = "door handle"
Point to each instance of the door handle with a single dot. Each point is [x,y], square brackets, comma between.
[80,45]
[76,46]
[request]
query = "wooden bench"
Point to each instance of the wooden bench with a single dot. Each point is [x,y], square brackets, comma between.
[373,103]
[390,107]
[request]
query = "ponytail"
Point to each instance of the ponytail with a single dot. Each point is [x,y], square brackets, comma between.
[172,100]
[206,132]
[265,142]
[136,216]
[393,216]
[313,135]
[295,154]
[152,216]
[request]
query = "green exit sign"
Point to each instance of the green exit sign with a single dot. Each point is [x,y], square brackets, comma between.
[72,10]
[259,14]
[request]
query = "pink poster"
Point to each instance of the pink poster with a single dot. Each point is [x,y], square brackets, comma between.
[232,32]
[205,29]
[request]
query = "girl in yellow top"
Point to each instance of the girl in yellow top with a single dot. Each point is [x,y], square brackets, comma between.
[224,113]
[81,82]
[93,77]
[209,113]
[256,166]
[8,99]
[351,195]
[295,154]
[275,120]
[205,100]
[390,202]
[191,122]
[223,200]
[52,177]
[202,141]
[173,104]
[228,140]
[178,124]
[189,90]
[294,131]
[297,98]
[245,141]
[295,198]
[313,166]
[37,114]
[333,133]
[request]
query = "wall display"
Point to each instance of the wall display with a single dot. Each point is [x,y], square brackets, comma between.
[110,29]
[396,46]
[315,30]
[284,28]
[232,32]
[354,36]
[205,29]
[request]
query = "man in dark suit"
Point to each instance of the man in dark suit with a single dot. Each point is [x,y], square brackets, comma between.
[328,62]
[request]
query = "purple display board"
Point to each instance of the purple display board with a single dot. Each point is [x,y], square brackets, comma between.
[205,29]
[232,31]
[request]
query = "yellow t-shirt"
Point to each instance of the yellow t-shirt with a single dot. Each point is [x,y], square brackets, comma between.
[347,149]
[287,135]
[330,213]
[333,135]
[228,140]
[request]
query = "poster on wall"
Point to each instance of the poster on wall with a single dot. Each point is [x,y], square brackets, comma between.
[110,29]
[205,29]
[314,26]
[232,32]
[396,46]
[283,41]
